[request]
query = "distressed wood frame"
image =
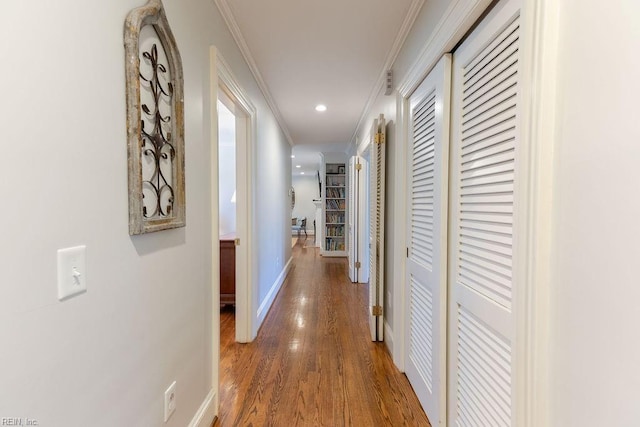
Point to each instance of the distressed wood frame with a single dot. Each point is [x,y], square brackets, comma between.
[153,14]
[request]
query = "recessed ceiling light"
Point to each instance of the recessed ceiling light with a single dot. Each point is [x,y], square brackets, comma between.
[321,107]
[293,156]
[298,166]
[301,173]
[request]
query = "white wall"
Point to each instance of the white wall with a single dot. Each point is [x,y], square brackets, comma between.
[273,206]
[595,348]
[306,187]
[106,357]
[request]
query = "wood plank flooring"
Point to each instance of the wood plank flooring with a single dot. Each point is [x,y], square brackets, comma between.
[313,363]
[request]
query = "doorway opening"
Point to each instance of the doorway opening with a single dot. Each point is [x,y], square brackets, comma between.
[234,210]
[227,212]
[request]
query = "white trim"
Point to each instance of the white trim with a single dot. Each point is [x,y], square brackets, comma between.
[246,285]
[364,145]
[399,232]
[403,32]
[229,19]
[540,64]
[455,23]
[231,82]
[273,292]
[388,336]
[214,313]
[206,413]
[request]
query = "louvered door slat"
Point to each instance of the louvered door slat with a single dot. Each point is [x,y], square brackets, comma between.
[495,72]
[488,199]
[481,135]
[424,128]
[494,143]
[498,108]
[491,101]
[485,126]
[421,335]
[491,256]
[422,189]
[491,51]
[501,90]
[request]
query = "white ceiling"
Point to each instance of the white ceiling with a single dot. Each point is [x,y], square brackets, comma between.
[333,52]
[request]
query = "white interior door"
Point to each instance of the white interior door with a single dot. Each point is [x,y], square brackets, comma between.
[426,273]
[363,220]
[485,146]
[354,211]
[358,237]
[376,233]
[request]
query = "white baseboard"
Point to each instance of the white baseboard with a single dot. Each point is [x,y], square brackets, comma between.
[206,413]
[273,292]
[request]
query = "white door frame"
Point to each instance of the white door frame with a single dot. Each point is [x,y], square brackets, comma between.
[364,151]
[222,79]
[226,86]
[540,28]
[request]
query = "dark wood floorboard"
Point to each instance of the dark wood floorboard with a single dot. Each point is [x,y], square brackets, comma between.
[313,363]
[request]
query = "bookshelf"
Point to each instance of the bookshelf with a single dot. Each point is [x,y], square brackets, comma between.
[335,205]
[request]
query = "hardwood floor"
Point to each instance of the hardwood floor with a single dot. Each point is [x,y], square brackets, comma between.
[313,363]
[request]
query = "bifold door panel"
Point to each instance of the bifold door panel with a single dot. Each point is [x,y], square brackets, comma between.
[485,140]
[427,181]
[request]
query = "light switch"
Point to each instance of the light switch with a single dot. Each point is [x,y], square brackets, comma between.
[72,274]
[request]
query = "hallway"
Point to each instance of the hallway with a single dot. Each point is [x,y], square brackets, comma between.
[313,363]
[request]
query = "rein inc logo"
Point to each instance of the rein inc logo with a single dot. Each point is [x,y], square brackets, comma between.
[18,421]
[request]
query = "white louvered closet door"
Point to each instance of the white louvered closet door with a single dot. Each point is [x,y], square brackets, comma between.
[485,140]
[376,232]
[427,178]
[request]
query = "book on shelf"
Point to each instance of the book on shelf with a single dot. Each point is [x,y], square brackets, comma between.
[336,204]
[334,230]
[335,181]
[336,193]
[335,217]
[334,245]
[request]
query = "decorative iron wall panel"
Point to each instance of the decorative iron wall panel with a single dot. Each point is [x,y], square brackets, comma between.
[155,121]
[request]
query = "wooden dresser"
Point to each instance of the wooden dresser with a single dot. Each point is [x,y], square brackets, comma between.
[228,269]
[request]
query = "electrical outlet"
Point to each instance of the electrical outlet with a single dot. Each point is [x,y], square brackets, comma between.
[169,401]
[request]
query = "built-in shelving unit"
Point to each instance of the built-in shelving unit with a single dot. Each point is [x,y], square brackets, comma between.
[335,205]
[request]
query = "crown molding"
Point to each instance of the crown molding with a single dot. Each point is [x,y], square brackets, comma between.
[232,24]
[407,24]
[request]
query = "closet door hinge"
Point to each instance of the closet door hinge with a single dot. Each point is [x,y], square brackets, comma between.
[376,310]
[358,166]
[358,265]
[379,138]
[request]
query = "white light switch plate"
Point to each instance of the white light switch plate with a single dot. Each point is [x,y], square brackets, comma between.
[72,274]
